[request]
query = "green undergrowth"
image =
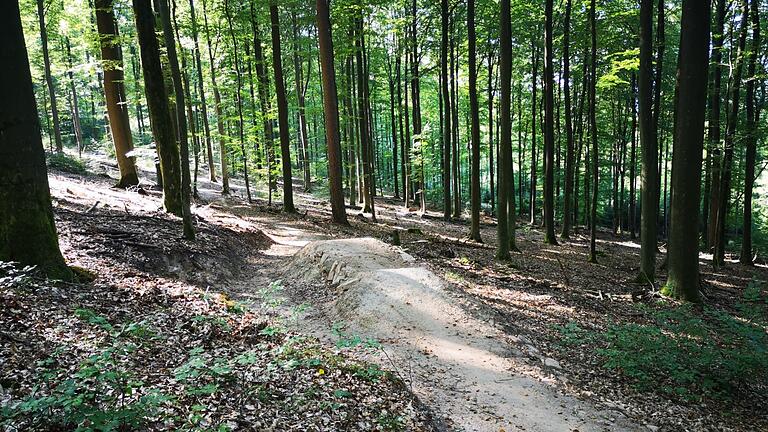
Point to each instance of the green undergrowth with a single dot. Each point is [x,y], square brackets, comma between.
[686,352]
[168,369]
[64,162]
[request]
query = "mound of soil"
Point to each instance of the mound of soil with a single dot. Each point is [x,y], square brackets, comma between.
[453,361]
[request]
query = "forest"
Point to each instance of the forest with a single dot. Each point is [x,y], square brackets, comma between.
[390,215]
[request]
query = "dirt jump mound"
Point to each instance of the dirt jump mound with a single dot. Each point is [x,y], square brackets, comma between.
[461,366]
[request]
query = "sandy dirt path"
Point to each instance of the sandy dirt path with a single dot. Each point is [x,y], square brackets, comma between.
[473,375]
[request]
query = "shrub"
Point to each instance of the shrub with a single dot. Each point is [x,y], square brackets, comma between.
[65,163]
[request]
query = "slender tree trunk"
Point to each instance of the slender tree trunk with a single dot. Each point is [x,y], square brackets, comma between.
[534,100]
[239,97]
[298,70]
[365,133]
[648,145]
[27,229]
[331,111]
[683,255]
[491,130]
[474,108]
[48,76]
[219,114]
[632,217]
[75,108]
[569,158]
[718,256]
[714,152]
[201,90]
[393,127]
[751,138]
[505,145]
[159,111]
[282,110]
[593,133]
[446,99]
[114,92]
[549,130]
[181,121]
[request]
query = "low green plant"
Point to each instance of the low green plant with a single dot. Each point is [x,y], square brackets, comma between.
[686,352]
[102,394]
[65,163]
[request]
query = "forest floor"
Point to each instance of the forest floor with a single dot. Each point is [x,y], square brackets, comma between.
[543,342]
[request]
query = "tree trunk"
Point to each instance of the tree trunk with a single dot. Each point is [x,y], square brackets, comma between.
[75,109]
[159,111]
[48,76]
[569,158]
[239,97]
[683,251]
[298,71]
[714,152]
[365,134]
[181,122]
[114,92]
[474,108]
[446,98]
[632,217]
[593,133]
[534,100]
[282,110]
[549,130]
[27,229]
[751,138]
[718,256]
[219,114]
[491,129]
[201,90]
[506,238]
[648,145]
[331,111]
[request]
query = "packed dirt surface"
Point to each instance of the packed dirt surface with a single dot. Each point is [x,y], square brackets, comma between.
[486,345]
[463,367]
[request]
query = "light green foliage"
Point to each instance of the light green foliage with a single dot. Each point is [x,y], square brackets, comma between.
[65,163]
[102,394]
[688,353]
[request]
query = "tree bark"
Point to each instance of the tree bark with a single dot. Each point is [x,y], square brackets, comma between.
[549,130]
[331,111]
[569,158]
[474,108]
[718,256]
[683,251]
[506,237]
[114,92]
[593,133]
[159,111]
[48,76]
[282,110]
[27,228]
[181,122]
[201,90]
[219,112]
[446,97]
[649,150]
[751,138]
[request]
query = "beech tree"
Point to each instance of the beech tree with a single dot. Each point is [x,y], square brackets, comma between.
[114,92]
[159,111]
[683,256]
[27,229]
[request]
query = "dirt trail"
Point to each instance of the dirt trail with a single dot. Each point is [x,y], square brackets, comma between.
[471,373]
